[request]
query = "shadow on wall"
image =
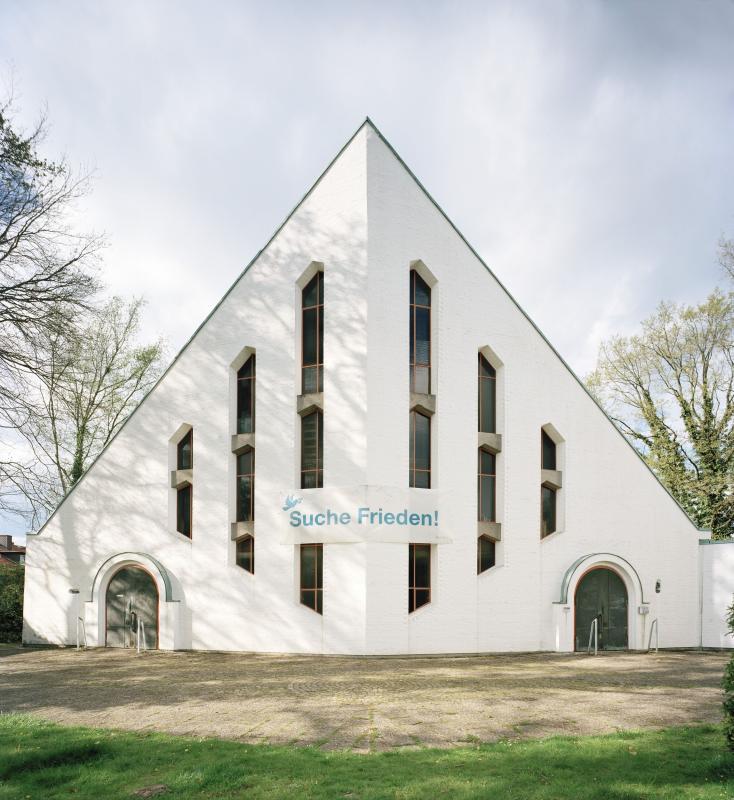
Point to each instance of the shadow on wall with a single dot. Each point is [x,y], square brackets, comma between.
[142,501]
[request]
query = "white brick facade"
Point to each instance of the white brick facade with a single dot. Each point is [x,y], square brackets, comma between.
[367,221]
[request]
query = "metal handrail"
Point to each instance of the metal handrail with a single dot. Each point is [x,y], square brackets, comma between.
[84,632]
[141,634]
[593,633]
[653,627]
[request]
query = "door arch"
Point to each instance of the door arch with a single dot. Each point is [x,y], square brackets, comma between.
[601,593]
[131,597]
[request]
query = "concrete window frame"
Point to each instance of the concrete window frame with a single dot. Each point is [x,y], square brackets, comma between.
[310,384]
[485,540]
[306,403]
[246,376]
[239,443]
[413,587]
[491,442]
[247,543]
[553,480]
[317,416]
[486,474]
[413,470]
[317,588]
[245,470]
[180,479]
[426,403]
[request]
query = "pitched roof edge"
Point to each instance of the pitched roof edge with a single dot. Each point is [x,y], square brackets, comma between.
[206,319]
[371,124]
[528,318]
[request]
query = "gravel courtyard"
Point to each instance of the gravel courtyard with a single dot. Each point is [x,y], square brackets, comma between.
[362,703]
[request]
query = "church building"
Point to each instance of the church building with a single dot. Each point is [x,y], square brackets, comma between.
[369,448]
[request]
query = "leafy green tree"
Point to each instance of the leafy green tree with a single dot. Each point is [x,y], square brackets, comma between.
[11,603]
[670,390]
[728,685]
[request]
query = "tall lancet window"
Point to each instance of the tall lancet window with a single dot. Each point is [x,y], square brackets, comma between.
[246,486]
[184,492]
[420,334]
[420,451]
[312,576]
[246,397]
[312,450]
[486,486]
[548,490]
[487,396]
[419,576]
[312,323]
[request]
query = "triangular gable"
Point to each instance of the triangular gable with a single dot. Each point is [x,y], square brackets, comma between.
[367,122]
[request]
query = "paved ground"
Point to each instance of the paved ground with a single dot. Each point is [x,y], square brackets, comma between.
[362,704]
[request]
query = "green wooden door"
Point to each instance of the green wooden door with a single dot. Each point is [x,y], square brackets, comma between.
[131,596]
[601,594]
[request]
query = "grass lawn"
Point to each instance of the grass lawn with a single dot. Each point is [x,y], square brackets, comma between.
[39,760]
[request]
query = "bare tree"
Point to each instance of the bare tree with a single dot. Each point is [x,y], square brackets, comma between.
[670,390]
[94,378]
[46,269]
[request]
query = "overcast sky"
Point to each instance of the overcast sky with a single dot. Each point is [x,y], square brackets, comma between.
[584,148]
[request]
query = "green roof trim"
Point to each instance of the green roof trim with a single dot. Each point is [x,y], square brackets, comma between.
[367,122]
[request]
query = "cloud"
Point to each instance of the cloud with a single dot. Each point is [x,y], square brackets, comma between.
[585,149]
[575,144]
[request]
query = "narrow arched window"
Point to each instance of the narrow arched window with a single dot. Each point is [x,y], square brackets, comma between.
[550,484]
[420,334]
[185,452]
[312,450]
[246,397]
[184,491]
[420,451]
[246,486]
[312,327]
[548,447]
[487,486]
[487,396]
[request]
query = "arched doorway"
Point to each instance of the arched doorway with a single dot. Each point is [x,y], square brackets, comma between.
[131,598]
[601,594]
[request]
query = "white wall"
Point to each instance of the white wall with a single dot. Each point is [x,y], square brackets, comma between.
[122,503]
[366,221]
[612,501]
[717,592]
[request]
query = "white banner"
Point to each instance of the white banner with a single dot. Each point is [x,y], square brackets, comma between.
[362,514]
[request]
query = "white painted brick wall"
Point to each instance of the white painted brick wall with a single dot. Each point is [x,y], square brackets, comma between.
[717,592]
[367,220]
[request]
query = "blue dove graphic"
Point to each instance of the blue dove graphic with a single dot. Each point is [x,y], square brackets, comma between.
[291,501]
